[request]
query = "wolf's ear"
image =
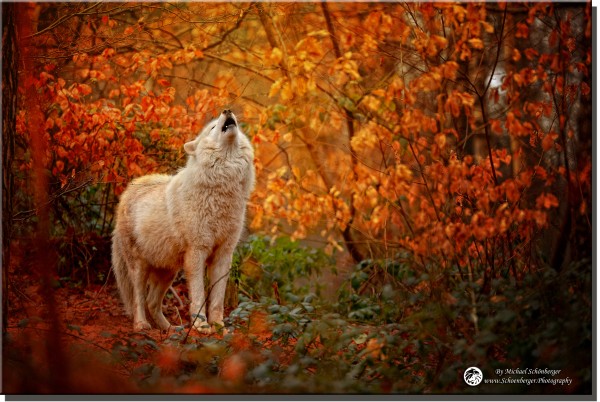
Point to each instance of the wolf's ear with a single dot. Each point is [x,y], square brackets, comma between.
[190,147]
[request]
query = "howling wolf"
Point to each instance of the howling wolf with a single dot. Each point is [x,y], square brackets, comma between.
[192,219]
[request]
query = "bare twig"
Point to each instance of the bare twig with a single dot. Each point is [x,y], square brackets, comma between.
[63,19]
[229,31]
[233,95]
[24,215]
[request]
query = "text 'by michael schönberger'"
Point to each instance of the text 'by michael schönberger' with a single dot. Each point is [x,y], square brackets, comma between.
[529,376]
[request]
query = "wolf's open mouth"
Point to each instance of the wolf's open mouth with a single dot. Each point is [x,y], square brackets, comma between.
[230,121]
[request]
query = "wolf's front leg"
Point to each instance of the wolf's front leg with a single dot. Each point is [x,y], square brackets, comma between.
[219,276]
[193,266]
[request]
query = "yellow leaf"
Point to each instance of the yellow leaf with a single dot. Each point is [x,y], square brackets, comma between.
[295,171]
[286,91]
[320,34]
[440,140]
[276,87]
[308,66]
[299,86]
[274,56]
[311,85]
[373,196]
[351,68]
[371,103]
[476,43]
[282,171]
[489,28]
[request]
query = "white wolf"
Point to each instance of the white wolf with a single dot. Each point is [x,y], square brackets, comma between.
[192,219]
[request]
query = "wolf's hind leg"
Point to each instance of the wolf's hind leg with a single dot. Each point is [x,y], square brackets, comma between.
[140,280]
[159,282]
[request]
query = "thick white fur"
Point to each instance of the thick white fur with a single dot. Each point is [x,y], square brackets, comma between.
[192,219]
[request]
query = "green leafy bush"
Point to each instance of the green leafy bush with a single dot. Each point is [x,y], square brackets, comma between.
[260,262]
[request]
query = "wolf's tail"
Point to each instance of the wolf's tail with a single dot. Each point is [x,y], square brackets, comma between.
[121,271]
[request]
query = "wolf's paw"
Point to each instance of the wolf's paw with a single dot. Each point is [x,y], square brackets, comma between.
[219,327]
[163,324]
[199,322]
[141,326]
[203,327]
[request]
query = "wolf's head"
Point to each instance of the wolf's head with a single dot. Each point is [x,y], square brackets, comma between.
[222,133]
[221,152]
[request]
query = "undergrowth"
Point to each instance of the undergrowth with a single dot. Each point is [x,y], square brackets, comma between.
[392,329]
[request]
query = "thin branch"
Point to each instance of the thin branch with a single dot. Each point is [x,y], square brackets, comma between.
[229,31]
[63,19]
[214,87]
[422,172]
[195,316]
[497,53]
[231,63]
[487,137]
[269,31]
[330,29]
[22,215]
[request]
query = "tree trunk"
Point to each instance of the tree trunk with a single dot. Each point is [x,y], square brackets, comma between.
[34,106]
[347,234]
[9,113]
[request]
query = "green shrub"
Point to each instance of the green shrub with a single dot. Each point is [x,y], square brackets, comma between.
[260,262]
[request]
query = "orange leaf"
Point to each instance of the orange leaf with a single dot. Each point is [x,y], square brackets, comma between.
[496,126]
[85,89]
[548,142]
[516,55]
[546,201]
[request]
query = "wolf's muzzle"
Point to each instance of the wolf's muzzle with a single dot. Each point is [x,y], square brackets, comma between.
[229,120]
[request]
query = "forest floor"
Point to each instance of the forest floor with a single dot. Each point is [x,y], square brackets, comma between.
[89,321]
[72,336]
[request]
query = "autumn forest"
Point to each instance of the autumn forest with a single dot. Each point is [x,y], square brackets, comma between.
[423,198]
